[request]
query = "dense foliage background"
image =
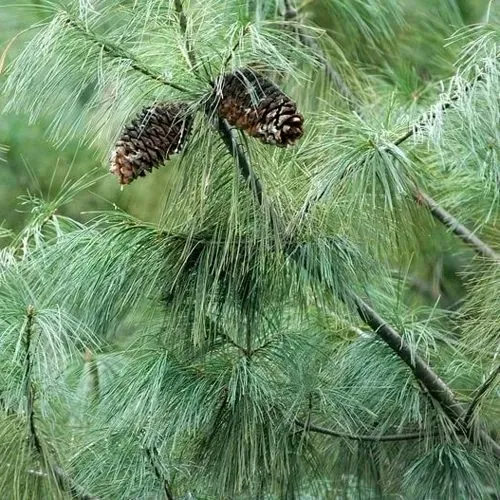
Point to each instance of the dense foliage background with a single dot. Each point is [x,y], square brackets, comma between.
[181,338]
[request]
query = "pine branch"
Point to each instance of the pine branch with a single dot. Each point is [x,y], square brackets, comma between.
[291,13]
[455,226]
[93,372]
[431,115]
[64,482]
[437,212]
[116,52]
[422,371]
[410,436]
[29,390]
[437,388]
[241,159]
[480,392]
[152,454]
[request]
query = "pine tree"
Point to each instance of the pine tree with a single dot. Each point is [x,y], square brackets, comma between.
[315,321]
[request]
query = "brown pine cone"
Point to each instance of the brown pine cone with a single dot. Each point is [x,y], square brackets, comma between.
[254,104]
[149,140]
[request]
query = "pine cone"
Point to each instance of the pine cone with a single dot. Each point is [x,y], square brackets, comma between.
[155,134]
[254,104]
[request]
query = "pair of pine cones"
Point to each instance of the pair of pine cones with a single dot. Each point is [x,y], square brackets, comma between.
[244,98]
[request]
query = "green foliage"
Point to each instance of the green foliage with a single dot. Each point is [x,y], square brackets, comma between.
[213,345]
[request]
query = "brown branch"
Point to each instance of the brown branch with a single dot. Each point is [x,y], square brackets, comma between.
[411,436]
[65,483]
[152,455]
[241,159]
[455,226]
[116,52]
[480,391]
[436,387]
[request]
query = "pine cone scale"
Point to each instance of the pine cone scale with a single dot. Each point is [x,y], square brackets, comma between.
[256,105]
[151,138]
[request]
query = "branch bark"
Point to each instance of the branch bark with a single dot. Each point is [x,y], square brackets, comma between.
[456,227]
[480,391]
[152,455]
[65,483]
[411,436]
[437,388]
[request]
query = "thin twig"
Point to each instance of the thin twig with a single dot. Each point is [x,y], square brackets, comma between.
[65,483]
[241,159]
[437,388]
[411,436]
[431,115]
[152,454]
[480,391]
[455,226]
[117,52]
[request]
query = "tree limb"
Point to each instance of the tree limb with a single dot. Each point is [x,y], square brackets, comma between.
[480,391]
[411,436]
[455,226]
[437,388]
[65,483]
[152,455]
